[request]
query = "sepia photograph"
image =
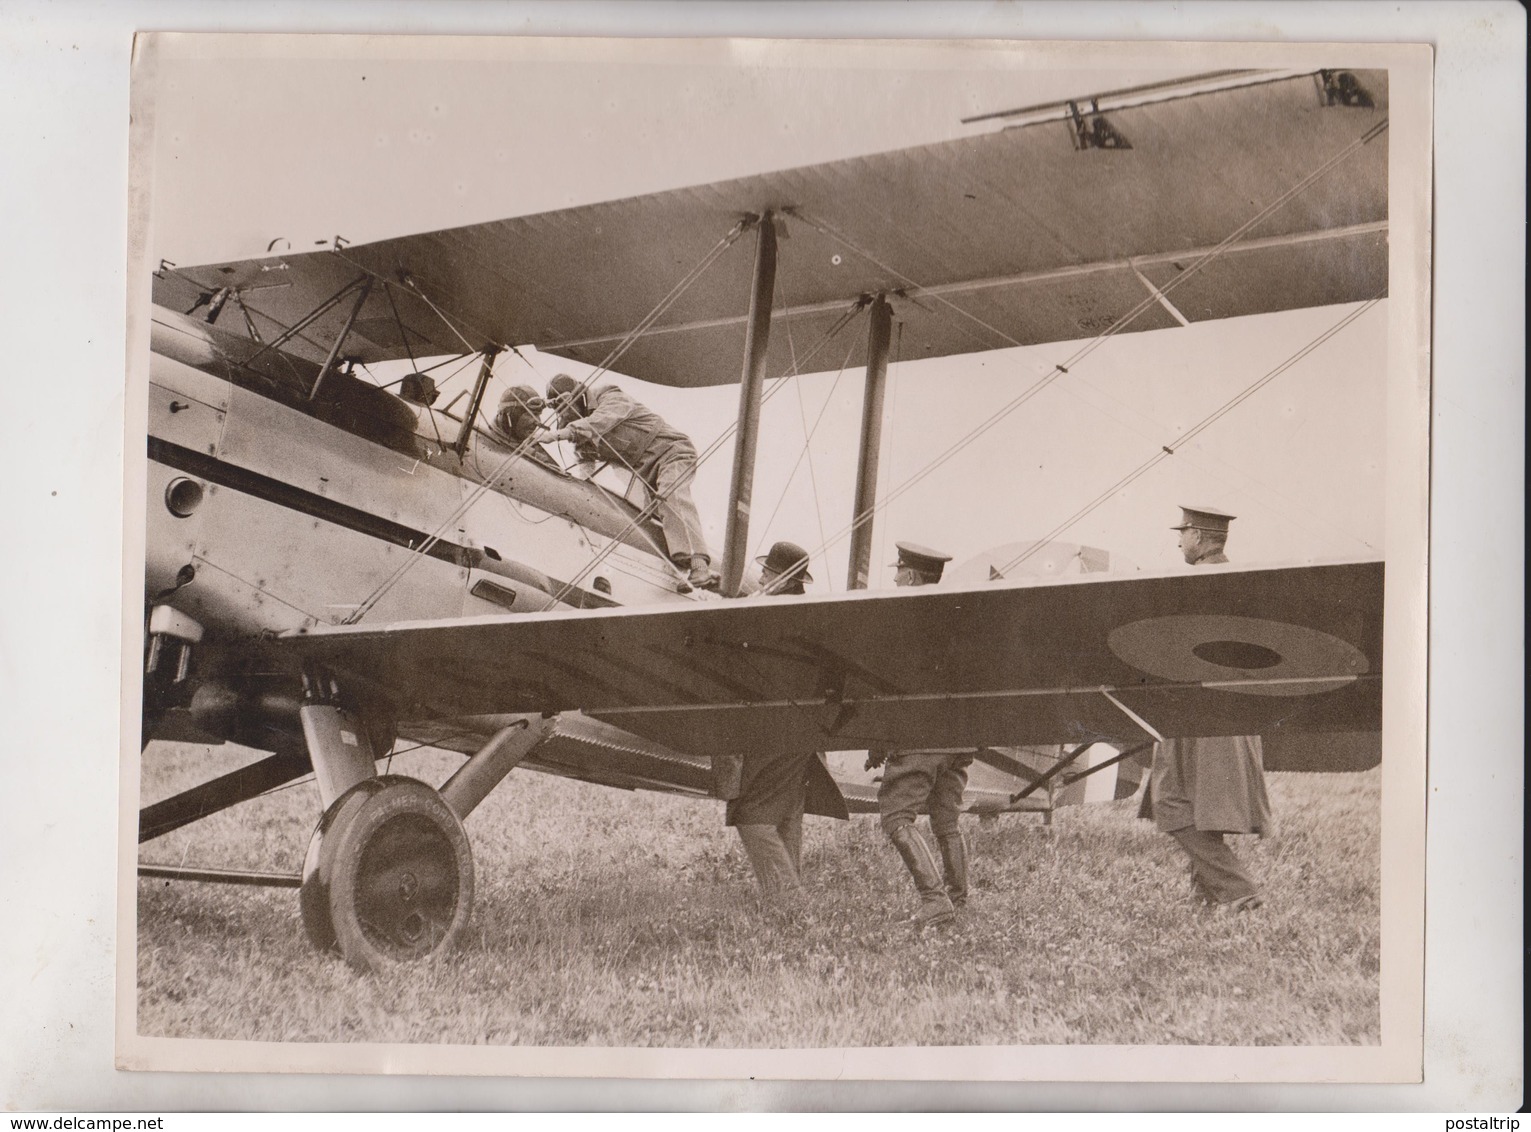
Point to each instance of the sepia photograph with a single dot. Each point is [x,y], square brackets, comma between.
[726,557]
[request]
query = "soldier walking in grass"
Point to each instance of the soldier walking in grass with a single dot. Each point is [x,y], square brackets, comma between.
[1199,790]
[932,780]
[768,794]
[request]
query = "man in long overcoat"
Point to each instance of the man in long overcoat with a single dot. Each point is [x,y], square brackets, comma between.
[767,794]
[1199,790]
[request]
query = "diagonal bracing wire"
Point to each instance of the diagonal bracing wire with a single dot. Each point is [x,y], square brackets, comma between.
[1059,370]
[808,435]
[1062,368]
[420,552]
[1194,431]
[659,498]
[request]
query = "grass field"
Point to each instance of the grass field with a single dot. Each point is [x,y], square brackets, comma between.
[617,919]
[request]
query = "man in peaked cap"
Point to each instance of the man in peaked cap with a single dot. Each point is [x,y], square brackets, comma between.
[918,565]
[1199,790]
[608,426]
[1203,534]
[768,794]
[933,780]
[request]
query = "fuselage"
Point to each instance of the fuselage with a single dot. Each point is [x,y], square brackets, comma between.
[273,514]
[268,512]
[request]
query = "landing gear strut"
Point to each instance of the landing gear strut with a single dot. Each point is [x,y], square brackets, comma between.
[388,876]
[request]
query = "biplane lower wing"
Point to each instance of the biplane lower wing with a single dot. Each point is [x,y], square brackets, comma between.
[1282,651]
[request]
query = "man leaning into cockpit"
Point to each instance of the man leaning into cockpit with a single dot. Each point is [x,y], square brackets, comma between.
[608,426]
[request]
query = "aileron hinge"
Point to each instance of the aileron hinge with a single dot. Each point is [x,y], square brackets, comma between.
[1092,131]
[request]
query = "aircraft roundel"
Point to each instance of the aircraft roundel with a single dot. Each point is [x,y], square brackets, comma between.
[1289,660]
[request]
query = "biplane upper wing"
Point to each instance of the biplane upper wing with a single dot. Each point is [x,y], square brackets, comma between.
[1275,651]
[1047,231]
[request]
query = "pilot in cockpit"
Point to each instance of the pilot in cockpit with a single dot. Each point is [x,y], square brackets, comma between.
[516,422]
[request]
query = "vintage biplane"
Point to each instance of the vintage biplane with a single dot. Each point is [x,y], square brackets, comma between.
[334,566]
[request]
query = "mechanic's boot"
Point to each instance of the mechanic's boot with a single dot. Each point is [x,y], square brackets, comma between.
[702,575]
[935,905]
[954,867]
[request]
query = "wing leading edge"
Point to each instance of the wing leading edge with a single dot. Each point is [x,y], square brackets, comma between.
[1286,652]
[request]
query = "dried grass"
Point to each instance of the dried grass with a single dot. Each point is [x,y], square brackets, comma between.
[618,919]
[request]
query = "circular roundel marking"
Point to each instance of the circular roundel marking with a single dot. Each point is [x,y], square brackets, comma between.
[1290,660]
[1237,654]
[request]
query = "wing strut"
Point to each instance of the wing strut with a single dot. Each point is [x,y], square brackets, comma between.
[756,339]
[1058,768]
[340,339]
[879,332]
[465,433]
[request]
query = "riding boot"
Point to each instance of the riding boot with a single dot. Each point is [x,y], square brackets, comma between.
[935,905]
[954,866]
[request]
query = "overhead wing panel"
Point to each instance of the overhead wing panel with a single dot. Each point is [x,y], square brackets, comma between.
[1221,651]
[1025,235]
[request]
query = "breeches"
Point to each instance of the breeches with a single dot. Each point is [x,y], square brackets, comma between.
[676,510]
[1213,863]
[916,780]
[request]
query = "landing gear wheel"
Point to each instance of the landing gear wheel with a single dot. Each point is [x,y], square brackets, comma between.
[319,865]
[389,874]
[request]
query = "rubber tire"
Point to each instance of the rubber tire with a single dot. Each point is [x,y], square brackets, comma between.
[318,868]
[398,873]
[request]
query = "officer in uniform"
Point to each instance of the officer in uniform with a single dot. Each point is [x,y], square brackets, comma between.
[1201,789]
[933,780]
[767,797]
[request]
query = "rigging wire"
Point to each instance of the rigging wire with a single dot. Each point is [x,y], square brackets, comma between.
[1148,301]
[448,361]
[420,552]
[813,476]
[1089,347]
[808,435]
[659,498]
[684,284]
[403,332]
[1194,431]
[666,302]
[1210,464]
[795,368]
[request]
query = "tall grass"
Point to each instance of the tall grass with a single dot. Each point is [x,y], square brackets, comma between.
[620,919]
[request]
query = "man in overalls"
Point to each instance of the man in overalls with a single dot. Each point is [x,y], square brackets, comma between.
[608,426]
